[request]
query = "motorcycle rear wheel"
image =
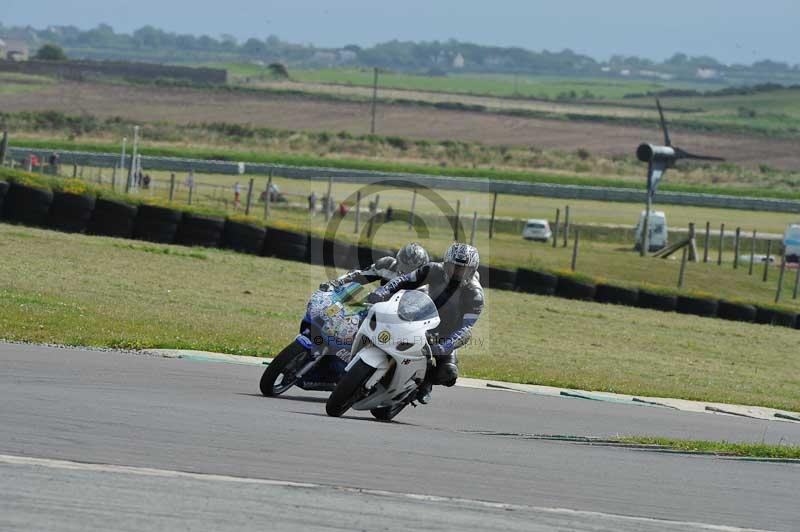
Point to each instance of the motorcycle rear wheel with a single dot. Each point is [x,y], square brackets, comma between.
[349,390]
[387,413]
[283,367]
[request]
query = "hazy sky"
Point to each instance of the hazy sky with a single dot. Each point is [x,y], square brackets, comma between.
[730,30]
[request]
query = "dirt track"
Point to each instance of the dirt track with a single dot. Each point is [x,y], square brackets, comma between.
[288,112]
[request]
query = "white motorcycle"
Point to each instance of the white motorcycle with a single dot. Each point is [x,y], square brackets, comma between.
[390,356]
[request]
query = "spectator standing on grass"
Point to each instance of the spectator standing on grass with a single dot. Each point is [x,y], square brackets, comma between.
[343,209]
[389,213]
[146,181]
[312,203]
[237,193]
[54,162]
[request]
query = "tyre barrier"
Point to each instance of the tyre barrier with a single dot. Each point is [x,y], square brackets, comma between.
[656,301]
[768,316]
[326,252]
[3,190]
[697,306]
[732,311]
[497,278]
[112,218]
[286,244]
[571,288]
[617,295]
[202,231]
[27,205]
[242,237]
[157,224]
[536,282]
[70,213]
[367,256]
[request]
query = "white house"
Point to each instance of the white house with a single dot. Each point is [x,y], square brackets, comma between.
[16,50]
[458,61]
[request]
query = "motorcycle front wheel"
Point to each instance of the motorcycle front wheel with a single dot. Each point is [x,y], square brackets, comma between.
[349,390]
[280,374]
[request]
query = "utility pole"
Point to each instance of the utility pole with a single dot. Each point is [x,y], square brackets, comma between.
[374,100]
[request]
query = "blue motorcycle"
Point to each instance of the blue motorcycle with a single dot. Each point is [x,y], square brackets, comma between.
[317,357]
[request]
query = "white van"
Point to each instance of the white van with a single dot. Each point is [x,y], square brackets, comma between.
[658,230]
[538,230]
[791,241]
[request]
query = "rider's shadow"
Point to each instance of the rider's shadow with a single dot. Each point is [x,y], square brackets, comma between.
[288,397]
[365,418]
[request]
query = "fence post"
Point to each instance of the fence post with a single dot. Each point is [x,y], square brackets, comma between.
[268,199]
[752,252]
[3,148]
[358,210]
[474,226]
[329,199]
[682,272]
[736,248]
[796,282]
[491,222]
[721,240]
[566,225]
[575,249]
[249,197]
[75,170]
[413,206]
[555,228]
[171,187]
[191,193]
[766,260]
[705,244]
[114,177]
[780,279]
[692,243]
[457,220]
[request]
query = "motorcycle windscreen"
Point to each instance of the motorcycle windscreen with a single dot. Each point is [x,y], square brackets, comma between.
[416,306]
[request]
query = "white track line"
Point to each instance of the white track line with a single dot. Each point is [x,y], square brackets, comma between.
[151,472]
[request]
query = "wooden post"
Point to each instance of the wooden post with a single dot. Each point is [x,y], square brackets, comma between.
[413,206]
[191,193]
[752,252]
[114,177]
[683,267]
[369,224]
[736,241]
[721,240]
[555,228]
[358,210]
[575,250]
[491,222]
[374,100]
[268,200]
[457,220]
[3,148]
[692,243]
[779,289]
[796,282]
[766,260]
[74,170]
[705,244]
[474,226]
[249,197]
[566,225]
[329,200]
[171,187]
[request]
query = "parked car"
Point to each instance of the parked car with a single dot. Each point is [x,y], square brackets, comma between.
[658,231]
[791,241]
[538,230]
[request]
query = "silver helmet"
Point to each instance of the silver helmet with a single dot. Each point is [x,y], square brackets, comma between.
[461,261]
[410,257]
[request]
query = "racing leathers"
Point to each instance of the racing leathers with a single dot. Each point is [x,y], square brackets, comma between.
[459,305]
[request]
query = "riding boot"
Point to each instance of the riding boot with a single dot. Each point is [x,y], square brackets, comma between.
[446,369]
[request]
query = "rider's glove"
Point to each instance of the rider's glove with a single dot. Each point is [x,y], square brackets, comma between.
[378,296]
[442,347]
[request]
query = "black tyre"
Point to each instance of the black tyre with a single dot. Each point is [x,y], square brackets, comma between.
[291,252]
[157,224]
[3,191]
[497,278]
[349,390]
[697,306]
[203,231]
[278,238]
[574,289]
[656,301]
[368,256]
[71,212]
[387,413]
[617,295]
[244,238]
[535,282]
[112,218]
[27,205]
[728,310]
[280,373]
[767,316]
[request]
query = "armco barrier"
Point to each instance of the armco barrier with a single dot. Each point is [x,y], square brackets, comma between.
[162,224]
[578,192]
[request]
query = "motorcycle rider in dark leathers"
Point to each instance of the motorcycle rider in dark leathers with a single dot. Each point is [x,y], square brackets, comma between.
[408,258]
[454,286]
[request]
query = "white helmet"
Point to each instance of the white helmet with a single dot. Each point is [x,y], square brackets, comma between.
[460,263]
[410,257]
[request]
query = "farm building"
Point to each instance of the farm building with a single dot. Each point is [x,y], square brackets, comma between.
[13,50]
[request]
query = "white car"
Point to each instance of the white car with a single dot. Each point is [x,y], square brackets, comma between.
[538,230]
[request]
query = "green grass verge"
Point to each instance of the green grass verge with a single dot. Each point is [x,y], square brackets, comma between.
[748,450]
[80,290]
[381,166]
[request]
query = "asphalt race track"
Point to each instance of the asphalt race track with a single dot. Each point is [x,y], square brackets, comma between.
[94,440]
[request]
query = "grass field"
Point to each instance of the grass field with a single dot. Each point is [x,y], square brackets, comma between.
[80,290]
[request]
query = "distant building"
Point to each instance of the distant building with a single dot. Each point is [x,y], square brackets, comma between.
[707,73]
[15,50]
[346,56]
[458,61]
